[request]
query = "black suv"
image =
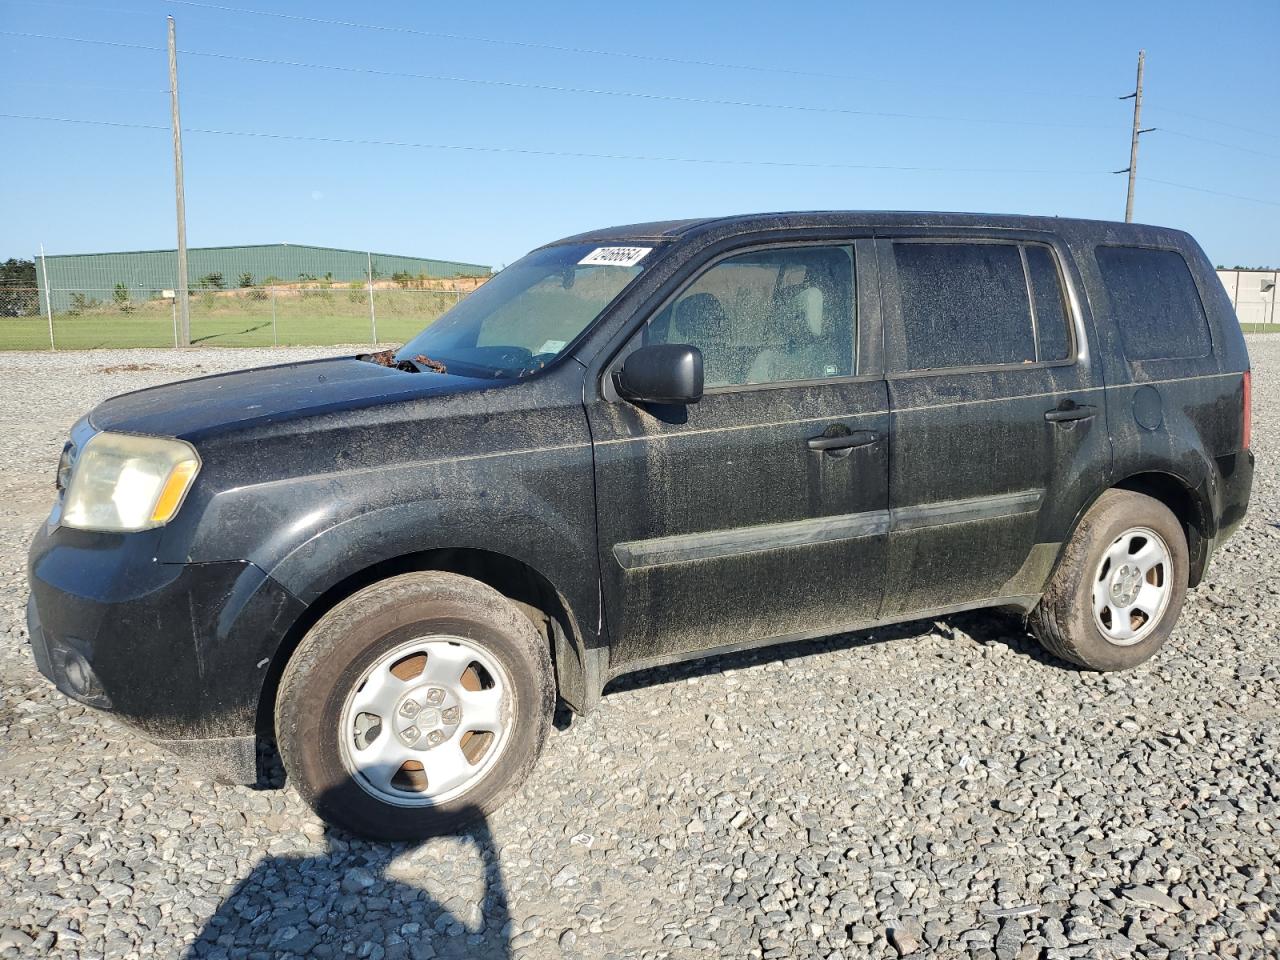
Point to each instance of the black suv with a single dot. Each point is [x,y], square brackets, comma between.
[635,446]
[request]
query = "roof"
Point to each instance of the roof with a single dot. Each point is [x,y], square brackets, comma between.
[752,222]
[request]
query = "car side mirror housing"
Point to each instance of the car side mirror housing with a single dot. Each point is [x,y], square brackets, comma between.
[668,373]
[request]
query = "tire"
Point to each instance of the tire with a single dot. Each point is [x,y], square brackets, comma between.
[1116,528]
[350,705]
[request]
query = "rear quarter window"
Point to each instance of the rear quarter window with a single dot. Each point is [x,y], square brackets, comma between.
[1051,306]
[1154,303]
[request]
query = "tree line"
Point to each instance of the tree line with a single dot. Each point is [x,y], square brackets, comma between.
[18,288]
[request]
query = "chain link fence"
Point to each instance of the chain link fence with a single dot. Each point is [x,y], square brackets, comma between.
[304,313]
[329,312]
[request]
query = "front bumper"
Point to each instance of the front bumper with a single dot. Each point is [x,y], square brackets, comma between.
[178,651]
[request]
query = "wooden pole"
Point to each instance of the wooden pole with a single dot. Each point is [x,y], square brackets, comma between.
[184,301]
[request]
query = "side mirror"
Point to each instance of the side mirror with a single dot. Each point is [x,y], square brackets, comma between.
[661,373]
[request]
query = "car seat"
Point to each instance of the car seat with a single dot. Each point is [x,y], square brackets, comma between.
[807,351]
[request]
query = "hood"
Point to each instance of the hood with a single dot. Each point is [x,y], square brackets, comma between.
[214,404]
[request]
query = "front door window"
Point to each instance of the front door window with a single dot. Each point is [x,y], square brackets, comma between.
[770,316]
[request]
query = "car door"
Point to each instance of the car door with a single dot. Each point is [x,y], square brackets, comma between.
[761,511]
[997,416]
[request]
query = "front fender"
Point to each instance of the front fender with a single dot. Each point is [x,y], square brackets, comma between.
[539,537]
[314,532]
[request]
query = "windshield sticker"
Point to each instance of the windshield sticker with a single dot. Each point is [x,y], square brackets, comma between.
[615,256]
[551,346]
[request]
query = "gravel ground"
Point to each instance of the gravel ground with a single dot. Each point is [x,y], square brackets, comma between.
[938,789]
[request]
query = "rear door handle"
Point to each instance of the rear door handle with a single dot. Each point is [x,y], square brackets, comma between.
[858,438]
[1079,411]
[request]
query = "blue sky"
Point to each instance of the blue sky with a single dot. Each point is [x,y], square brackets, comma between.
[1013,107]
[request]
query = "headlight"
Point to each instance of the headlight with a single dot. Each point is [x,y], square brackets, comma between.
[122,483]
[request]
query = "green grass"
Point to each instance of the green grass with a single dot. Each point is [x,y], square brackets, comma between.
[319,318]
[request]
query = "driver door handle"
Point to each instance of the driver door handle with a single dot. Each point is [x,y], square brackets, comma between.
[1077,411]
[858,438]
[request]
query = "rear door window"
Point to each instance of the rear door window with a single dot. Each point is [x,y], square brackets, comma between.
[1155,303]
[968,304]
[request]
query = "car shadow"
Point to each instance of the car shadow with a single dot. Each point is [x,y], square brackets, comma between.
[983,626]
[346,902]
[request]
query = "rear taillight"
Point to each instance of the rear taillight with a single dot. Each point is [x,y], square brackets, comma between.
[1248,409]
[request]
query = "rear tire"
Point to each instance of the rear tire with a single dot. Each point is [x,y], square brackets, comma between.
[1116,594]
[414,705]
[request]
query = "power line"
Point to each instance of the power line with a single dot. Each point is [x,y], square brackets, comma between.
[1216,193]
[554,88]
[1222,123]
[560,89]
[82,86]
[610,53]
[469,148]
[549,153]
[556,48]
[100,43]
[1220,143]
[96,8]
[533,44]
[640,95]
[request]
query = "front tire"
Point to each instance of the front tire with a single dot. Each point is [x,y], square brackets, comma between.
[1115,596]
[414,705]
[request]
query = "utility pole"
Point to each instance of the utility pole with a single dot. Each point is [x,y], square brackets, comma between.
[184,301]
[48,304]
[1132,169]
[373,316]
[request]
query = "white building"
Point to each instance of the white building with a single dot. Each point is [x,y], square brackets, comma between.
[1253,293]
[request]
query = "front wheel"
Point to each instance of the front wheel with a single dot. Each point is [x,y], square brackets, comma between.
[1117,592]
[416,704]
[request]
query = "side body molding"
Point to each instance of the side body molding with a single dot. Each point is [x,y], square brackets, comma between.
[773,536]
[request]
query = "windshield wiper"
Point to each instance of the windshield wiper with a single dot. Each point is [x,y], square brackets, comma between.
[435,366]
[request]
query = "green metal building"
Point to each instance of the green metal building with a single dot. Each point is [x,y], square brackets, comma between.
[148,273]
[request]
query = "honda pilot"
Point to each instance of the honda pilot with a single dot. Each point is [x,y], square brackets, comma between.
[636,446]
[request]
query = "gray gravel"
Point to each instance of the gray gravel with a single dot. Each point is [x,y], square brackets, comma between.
[938,789]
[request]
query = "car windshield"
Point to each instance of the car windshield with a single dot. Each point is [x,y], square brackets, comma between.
[522,319]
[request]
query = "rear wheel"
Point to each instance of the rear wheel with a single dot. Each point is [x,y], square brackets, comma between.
[1117,593]
[414,705]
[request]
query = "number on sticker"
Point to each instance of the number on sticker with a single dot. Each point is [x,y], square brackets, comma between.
[615,256]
